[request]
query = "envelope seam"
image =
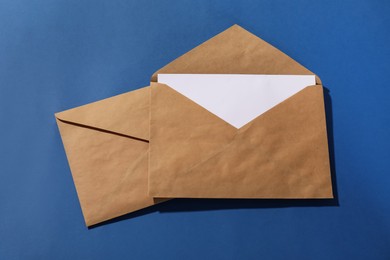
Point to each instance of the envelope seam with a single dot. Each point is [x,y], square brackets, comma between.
[103,130]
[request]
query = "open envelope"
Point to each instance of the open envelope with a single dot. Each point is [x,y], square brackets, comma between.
[106,143]
[281,153]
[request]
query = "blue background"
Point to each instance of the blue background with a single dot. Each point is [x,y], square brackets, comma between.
[59,54]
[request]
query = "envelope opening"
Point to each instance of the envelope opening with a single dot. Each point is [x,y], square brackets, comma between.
[237,98]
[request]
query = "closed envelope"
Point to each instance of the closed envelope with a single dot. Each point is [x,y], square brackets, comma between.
[197,152]
[106,143]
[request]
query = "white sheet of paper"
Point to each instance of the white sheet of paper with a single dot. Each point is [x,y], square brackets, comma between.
[237,98]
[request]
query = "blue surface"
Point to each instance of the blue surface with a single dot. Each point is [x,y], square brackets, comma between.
[59,54]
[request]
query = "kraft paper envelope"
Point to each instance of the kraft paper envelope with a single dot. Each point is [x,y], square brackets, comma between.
[282,153]
[106,143]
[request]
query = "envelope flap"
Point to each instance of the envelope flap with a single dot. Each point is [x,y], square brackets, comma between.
[112,114]
[234,51]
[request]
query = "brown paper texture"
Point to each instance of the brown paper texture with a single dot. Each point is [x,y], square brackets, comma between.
[106,144]
[234,51]
[280,154]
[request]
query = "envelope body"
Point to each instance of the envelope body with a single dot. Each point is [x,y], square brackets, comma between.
[106,144]
[282,153]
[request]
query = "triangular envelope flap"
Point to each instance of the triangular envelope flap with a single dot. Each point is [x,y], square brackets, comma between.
[234,51]
[126,114]
[281,154]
